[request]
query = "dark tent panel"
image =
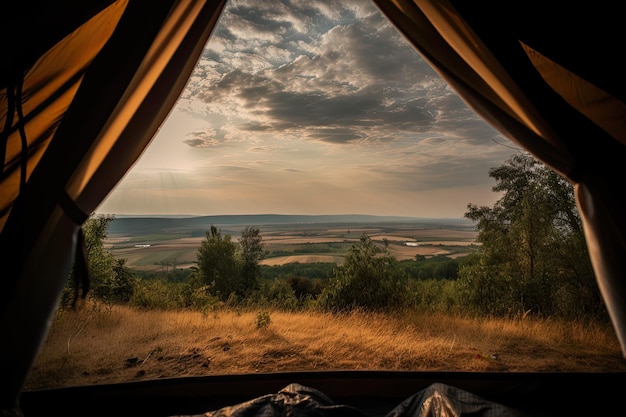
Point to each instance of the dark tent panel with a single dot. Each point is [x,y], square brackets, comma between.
[84,86]
[371,393]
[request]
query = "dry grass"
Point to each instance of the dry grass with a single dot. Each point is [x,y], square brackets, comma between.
[123,344]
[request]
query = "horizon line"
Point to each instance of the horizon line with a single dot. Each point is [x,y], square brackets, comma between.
[276,214]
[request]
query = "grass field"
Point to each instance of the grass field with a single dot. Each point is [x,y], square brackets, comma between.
[118,344]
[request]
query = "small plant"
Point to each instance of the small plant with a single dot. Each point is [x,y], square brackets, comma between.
[263,320]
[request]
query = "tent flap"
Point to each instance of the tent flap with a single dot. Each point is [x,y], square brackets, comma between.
[131,99]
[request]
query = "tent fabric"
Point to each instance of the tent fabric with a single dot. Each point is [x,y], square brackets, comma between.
[436,400]
[375,393]
[44,93]
[70,127]
[126,91]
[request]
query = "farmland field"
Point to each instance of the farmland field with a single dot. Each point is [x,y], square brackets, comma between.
[152,248]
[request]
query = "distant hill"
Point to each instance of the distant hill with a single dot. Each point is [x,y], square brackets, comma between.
[141,225]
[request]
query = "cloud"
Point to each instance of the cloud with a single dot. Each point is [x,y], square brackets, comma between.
[323,106]
[205,138]
[336,135]
[260,149]
[320,73]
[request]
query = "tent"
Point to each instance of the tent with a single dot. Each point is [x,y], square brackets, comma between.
[84,86]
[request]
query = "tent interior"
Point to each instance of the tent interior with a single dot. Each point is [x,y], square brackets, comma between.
[80,102]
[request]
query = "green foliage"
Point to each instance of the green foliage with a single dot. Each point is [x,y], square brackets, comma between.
[436,267]
[263,320]
[156,294]
[488,289]
[305,288]
[162,295]
[306,281]
[230,270]
[276,294]
[316,270]
[218,265]
[123,282]
[110,279]
[368,279]
[532,250]
[171,275]
[251,252]
[433,295]
[100,261]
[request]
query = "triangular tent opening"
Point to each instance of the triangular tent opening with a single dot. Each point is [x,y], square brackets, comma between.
[76,118]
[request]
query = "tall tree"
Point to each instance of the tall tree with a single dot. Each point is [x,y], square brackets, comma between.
[123,282]
[251,246]
[218,264]
[533,254]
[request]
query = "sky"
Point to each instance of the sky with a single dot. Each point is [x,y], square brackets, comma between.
[313,107]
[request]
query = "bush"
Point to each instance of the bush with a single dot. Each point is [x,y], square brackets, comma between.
[369,279]
[263,320]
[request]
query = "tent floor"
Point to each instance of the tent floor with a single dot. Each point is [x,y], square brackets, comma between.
[373,392]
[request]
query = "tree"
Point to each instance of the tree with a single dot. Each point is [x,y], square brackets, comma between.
[369,278]
[218,265]
[110,279]
[123,283]
[251,247]
[533,254]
